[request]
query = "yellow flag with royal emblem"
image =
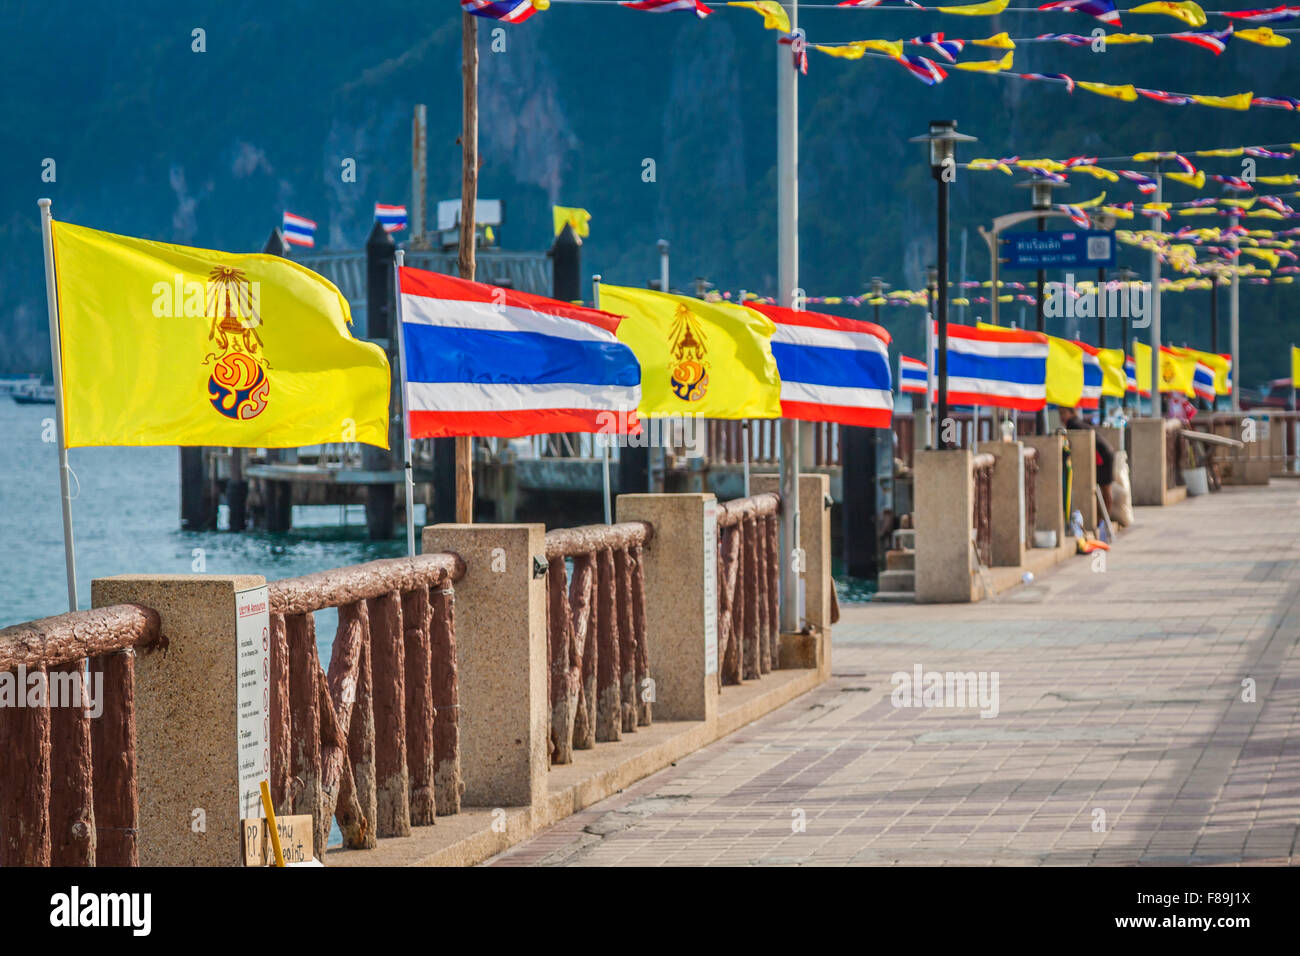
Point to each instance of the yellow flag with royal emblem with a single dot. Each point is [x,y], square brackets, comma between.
[169,345]
[708,359]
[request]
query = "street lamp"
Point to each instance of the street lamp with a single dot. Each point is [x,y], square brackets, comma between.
[943,139]
[878,287]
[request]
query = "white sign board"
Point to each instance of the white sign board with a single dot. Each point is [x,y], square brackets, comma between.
[253,707]
[710,586]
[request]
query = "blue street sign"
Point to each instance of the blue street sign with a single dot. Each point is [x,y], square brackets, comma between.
[1059,250]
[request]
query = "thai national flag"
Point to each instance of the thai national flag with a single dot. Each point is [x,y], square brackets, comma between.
[1203,382]
[1270,15]
[392,218]
[1130,377]
[948,49]
[927,71]
[1103,10]
[511,11]
[1216,41]
[481,360]
[911,375]
[1145,184]
[667,6]
[1091,377]
[832,369]
[1162,96]
[1276,102]
[298,231]
[1002,368]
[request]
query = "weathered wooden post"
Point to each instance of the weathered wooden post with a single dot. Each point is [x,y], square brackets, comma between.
[381,313]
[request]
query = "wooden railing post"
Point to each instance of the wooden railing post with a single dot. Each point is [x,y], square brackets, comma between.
[72,814]
[418,677]
[117,800]
[388,661]
[25,783]
[448,782]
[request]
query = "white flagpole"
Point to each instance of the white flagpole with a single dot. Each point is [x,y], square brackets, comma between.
[609,504]
[56,359]
[744,434]
[406,422]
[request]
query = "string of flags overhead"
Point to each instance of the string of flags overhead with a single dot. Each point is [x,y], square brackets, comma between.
[928,71]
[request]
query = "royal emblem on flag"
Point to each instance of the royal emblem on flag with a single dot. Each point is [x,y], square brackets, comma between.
[690,372]
[238,386]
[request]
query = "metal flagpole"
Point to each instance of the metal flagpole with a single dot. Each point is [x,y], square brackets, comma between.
[744,437]
[56,359]
[604,464]
[787,168]
[400,332]
[1234,314]
[1157,225]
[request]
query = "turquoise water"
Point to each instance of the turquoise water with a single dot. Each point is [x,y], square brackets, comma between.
[126,519]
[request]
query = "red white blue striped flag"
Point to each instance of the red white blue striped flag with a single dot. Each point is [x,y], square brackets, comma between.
[509,11]
[667,6]
[1103,10]
[481,360]
[927,71]
[832,369]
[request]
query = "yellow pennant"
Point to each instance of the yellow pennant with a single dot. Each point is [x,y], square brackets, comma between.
[1126,92]
[1236,151]
[990,8]
[168,345]
[989,164]
[856,49]
[1190,13]
[1118,212]
[773,14]
[1126,38]
[1096,172]
[1263,36]
[999,41]
[1285,179]
[1238,101]
[987,66]
[1195,180]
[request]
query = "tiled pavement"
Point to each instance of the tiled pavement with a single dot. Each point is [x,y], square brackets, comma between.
[1120,692]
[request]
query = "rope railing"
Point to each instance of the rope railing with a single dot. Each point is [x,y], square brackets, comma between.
[748,556]
[596,635]
[68,793]
[374,743]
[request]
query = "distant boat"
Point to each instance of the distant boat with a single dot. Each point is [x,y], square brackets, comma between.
[33,393]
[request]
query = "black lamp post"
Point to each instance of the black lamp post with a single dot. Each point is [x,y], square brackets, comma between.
[1040,197]
[943,139]
[878,287]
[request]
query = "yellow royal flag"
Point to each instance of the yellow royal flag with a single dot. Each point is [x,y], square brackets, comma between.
[1295,367]
[1177,372]
[167,345]
[579,219]
[1113,380]
[708,359]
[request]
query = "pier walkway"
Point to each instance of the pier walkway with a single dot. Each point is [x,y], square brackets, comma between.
[1121,735]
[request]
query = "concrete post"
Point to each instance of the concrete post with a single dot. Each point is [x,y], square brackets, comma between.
[943,513]
[1148,467]
[813,647]
[501,654]
[681,600]
[1083,483]
[1008,516]
[1049,492]
[186,716]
